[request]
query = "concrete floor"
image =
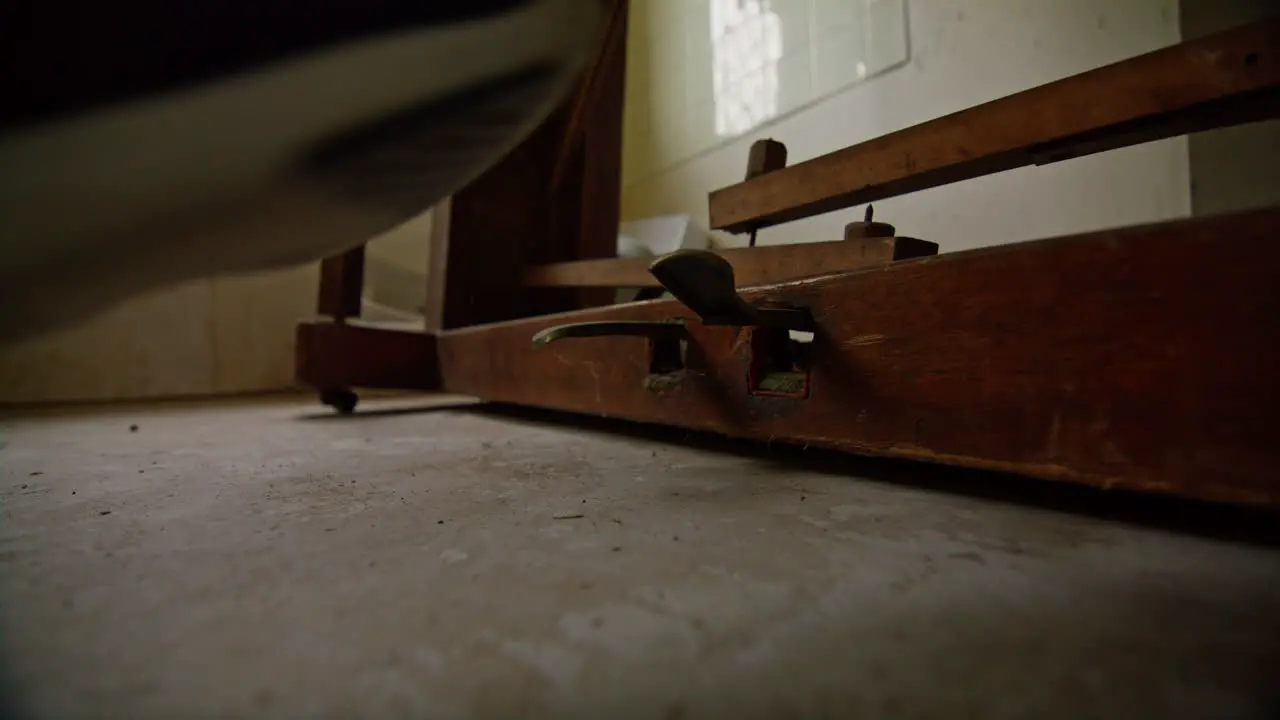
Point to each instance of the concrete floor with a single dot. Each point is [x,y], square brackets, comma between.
[245,560]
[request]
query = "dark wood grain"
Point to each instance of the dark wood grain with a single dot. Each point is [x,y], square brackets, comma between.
[601,141]
[341,284]
[1219,80]
[333,355]
[602,81]
[1142,358]
[554,198]
[753,266]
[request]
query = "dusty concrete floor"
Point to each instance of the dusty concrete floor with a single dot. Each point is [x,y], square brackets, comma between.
[241,560]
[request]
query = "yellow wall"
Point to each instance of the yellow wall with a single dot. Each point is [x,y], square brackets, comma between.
[961,53]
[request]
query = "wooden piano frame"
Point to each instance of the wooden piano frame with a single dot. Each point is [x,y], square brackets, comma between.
[1143,358]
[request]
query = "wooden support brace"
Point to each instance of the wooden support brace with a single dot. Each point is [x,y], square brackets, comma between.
[1142,358]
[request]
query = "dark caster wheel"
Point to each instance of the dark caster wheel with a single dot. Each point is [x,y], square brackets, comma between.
[340,399]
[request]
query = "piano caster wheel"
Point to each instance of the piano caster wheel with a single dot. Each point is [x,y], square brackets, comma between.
[341,399]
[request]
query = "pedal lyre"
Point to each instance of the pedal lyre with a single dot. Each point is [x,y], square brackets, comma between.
[704,282]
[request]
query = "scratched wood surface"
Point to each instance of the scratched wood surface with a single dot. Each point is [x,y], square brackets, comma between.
[1223,79]
[752,266]
[1142,358]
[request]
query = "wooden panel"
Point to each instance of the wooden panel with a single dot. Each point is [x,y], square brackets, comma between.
[333,355]
[1219,80]
[1142,358]
[341,284]
[753,266]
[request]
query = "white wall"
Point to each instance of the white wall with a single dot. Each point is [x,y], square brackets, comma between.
[962,53]
[1235,168]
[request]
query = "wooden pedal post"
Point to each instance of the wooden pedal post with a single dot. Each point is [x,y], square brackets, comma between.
[339,297]
[868,228]
[341,285]
[879,242]
[765,156]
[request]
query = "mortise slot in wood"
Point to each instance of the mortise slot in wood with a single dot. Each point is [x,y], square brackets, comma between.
[673,329]
[780,362]
[666,363]
[667,355]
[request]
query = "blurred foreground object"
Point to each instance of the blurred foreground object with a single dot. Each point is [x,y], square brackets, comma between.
[146,143]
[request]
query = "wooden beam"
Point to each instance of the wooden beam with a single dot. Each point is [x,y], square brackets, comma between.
[753,266]
[341,284]
[332,356]
[1143,358]
[555,197]
[1224,79]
